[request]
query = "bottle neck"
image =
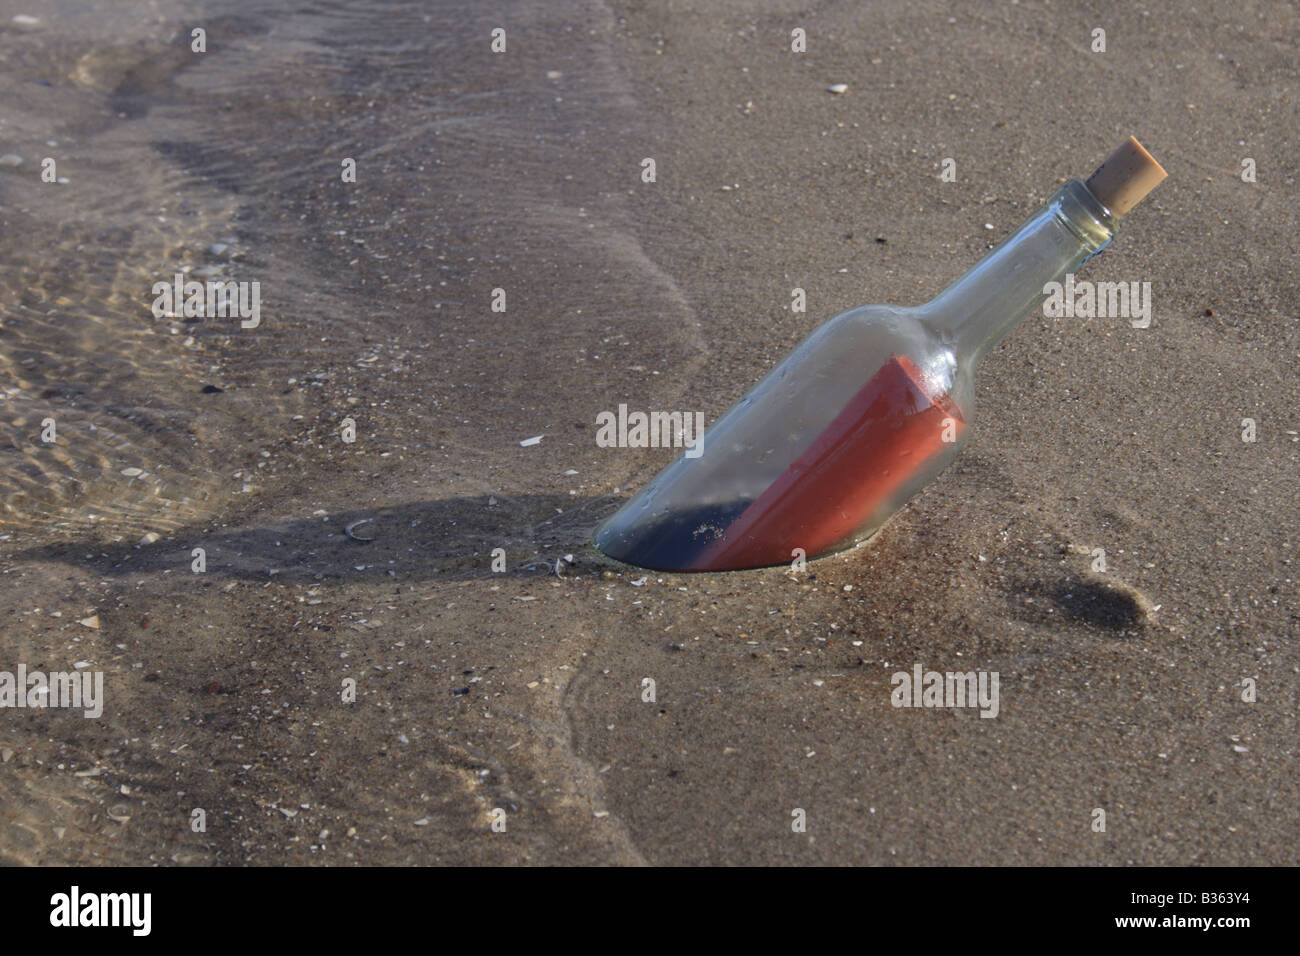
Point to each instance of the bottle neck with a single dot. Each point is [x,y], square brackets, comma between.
[981,308]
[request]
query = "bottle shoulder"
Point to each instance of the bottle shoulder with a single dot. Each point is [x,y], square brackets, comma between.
[882,330]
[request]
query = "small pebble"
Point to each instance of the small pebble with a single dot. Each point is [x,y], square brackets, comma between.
[838,88]
[9,159]
[348,530]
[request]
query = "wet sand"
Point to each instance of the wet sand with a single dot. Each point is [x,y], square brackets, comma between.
[522,690]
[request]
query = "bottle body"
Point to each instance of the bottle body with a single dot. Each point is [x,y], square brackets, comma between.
[815,457]
[857,419]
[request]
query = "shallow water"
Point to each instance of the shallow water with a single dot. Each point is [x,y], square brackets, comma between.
[473,172]
[227,164]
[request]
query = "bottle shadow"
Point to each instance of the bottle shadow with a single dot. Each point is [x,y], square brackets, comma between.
[450,539]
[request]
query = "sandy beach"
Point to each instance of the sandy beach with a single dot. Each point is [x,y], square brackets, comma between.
[365,567]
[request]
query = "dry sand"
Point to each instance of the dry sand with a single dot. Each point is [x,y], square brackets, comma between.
[522,690]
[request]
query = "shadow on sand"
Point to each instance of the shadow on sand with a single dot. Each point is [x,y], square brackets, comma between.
[452,539]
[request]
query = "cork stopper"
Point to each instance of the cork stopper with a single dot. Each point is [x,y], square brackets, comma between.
[1128,174]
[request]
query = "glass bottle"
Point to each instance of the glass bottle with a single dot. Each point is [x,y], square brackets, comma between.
[867,410]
